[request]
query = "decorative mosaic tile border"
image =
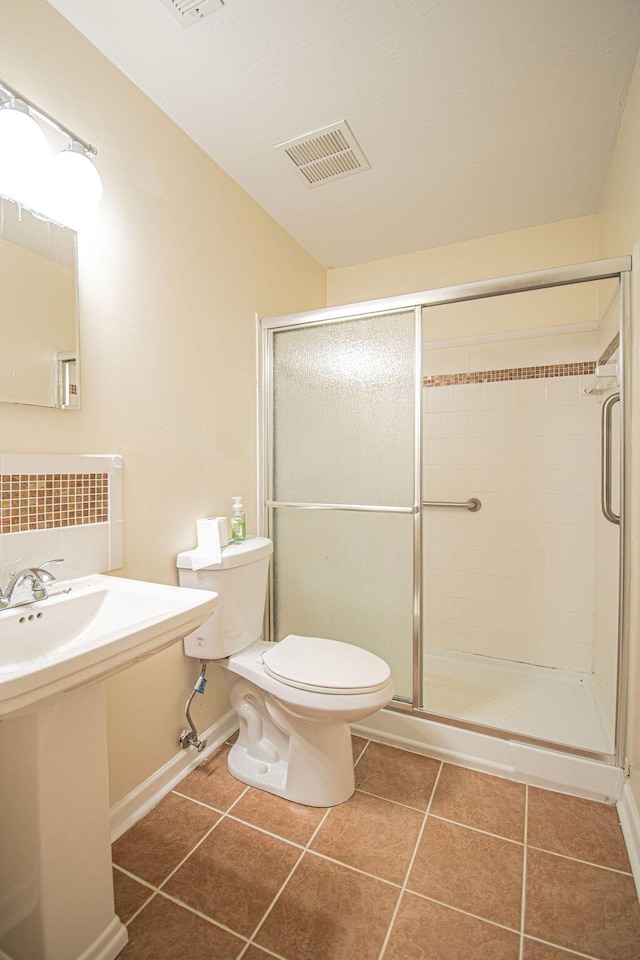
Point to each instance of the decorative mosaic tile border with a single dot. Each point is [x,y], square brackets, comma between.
[579,369]
[47,500]
[512,373]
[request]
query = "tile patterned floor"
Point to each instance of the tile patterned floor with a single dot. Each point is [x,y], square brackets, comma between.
[427,861]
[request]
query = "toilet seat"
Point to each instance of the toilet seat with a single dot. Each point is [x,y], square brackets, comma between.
[325,666]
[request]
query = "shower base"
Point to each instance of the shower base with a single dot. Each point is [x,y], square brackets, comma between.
[538,702]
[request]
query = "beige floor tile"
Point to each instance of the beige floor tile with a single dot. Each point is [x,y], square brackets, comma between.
[255,953]
[479,800]
[469,870]
[542,951]
[234,875]
[212,783]
[581,907]
[166,931]
[374,835]
[156,844]
[583,829]
[328,912]
[293,821]
[429,931]
[129,895]
[397,775]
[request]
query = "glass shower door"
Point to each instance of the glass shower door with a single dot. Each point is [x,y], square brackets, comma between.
[343,482]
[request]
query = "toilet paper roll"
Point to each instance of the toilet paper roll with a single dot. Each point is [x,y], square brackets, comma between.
[213,534]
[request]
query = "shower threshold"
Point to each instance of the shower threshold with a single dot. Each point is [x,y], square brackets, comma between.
[531,701]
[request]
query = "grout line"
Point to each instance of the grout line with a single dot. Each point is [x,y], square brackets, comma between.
[274,836]
[467,913]
[524,870]
[269,953]
[569,952]
[286,881]
[362,752]
[201,803]
[410,866]
[397,802]
[348,866]
[199,913]
[247,823]
[193,849]
[140,909]
[202,839]
[468,826]
[152,891]
[587,863]
[133,876]
[314,834]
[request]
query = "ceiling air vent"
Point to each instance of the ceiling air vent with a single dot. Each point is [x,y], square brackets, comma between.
[187,12]
[326,154]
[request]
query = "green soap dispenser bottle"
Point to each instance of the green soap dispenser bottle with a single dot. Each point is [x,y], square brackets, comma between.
[238,526]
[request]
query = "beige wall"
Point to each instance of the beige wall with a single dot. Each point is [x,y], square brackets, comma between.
[619,232]
[171,275]
[519,251]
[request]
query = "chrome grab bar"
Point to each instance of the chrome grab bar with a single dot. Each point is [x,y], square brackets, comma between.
[605,459]
[473,504]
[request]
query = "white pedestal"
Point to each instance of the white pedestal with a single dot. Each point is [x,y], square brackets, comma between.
[56,889]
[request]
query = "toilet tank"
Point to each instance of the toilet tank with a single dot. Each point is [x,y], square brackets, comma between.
[240,580]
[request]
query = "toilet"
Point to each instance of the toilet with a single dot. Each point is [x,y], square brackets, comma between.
[295,699]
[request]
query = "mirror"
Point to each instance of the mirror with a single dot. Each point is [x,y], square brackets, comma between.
[39,360]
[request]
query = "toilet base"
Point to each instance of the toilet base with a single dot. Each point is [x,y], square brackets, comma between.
[317,769]
[293,743]
[306,761]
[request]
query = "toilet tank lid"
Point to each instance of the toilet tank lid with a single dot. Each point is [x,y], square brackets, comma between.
[233,555]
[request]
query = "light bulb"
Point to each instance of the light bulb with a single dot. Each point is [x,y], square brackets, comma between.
[74,187]
[24,154]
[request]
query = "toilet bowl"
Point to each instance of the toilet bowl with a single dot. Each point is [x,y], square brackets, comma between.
[294,699]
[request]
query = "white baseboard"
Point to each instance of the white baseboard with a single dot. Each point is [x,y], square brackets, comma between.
[147,794]
[630,823]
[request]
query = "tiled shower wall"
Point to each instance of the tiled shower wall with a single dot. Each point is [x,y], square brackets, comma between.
[516,579]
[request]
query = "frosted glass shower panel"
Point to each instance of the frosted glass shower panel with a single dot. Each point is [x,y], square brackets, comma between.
[347,576]
[344,411]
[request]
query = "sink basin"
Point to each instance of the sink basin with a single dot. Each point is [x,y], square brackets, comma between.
[88,629]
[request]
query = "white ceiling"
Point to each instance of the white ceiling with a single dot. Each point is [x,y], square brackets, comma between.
[477,116]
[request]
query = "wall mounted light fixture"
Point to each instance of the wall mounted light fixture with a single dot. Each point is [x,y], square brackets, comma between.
[66,187]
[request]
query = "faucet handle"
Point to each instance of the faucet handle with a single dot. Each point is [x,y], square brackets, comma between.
[44,575]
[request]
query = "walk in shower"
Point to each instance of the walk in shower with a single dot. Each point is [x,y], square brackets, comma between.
[443,475]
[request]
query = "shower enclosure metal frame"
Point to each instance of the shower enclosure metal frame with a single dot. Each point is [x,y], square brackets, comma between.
[615,268]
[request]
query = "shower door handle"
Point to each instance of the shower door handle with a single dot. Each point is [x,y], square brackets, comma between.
[605,459]
[473,504]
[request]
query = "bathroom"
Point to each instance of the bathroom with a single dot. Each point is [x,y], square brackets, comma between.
[172,274]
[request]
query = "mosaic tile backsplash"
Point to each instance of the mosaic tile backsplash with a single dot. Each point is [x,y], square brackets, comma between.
[42,501]
[61,505]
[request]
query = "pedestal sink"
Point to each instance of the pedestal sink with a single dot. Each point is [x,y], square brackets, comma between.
[56,893]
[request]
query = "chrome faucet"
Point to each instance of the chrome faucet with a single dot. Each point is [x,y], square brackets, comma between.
[28,585]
